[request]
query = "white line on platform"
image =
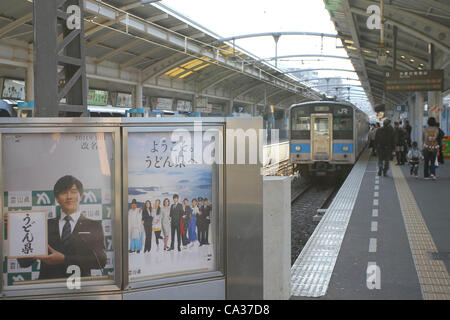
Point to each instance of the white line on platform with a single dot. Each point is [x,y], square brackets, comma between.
[377,187]
[374,212]
[376,194]
[375,202]
[373,245]
[374,226]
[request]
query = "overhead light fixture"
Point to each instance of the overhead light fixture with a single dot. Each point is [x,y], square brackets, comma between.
[412,60]
[387,51]
[352,48]
[403,57]
[349,41]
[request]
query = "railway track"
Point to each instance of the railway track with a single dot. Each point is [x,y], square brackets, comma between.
[306,201]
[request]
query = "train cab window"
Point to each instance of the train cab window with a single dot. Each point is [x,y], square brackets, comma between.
[321,127]
[301,127]
[342,128]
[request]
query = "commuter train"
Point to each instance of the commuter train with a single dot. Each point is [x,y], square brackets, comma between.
[326,136]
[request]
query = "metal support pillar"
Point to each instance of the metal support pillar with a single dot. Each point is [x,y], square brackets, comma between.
[418,118]
[69,53]
[29,84]
[394,64]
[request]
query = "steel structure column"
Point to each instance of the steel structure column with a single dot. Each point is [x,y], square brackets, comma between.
[48,93]
[29,86]
[418,118]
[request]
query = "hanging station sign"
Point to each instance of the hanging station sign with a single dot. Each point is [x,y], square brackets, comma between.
[425,80]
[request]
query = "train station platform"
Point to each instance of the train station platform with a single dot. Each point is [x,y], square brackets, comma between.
[381,238]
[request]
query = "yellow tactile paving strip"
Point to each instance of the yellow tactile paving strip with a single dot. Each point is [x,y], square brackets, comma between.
[433,276]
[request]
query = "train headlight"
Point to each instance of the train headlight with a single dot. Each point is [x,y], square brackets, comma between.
[298,148]
[345,148]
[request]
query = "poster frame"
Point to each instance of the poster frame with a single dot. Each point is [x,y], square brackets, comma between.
[60,288]
[218,189]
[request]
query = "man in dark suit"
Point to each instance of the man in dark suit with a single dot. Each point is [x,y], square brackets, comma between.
[384,142]
[73,239]
[176,212]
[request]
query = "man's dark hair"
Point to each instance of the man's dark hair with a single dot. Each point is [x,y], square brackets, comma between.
[65,183]
[396,123]
[175,196]
[414,144]
[431,122]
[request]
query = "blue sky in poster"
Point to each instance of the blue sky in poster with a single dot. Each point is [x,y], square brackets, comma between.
[150,183]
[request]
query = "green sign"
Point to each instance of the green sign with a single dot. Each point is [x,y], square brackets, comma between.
[446,147]
[333,5]
[97,98]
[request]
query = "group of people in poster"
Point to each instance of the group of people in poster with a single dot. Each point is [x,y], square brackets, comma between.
[188,222]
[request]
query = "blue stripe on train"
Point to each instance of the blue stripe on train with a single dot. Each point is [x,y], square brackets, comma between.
[304,148]
[339,147]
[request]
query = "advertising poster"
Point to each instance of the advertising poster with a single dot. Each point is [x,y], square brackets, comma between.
[171,221]
[13,89]
[97,98]
[124,100]
[63,175]
[164,104]
[183,105]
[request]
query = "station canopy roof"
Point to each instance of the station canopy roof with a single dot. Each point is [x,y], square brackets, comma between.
[161,43]
[419,23]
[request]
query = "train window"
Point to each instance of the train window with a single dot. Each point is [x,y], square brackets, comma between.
[301,127]
[321,127]
[343,128]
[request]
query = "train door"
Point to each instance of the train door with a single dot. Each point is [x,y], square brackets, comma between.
[321,136]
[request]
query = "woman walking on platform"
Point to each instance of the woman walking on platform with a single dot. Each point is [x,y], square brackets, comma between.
[430,149]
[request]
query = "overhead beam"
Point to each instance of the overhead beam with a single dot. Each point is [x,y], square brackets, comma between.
[159,68]
[433,31]
[15,24]
[118,50]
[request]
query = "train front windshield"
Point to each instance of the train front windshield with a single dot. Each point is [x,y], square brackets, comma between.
[342,121]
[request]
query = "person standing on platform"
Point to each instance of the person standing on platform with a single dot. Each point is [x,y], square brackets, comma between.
[372,133]
[384,142]
[176,212]
[157,223]
[414,156]
[430,148]
[441,145]
[147,219]
[408,130]
[399,140]
[135,227]
[165,221]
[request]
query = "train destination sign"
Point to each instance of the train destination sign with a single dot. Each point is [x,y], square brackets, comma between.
[425,80]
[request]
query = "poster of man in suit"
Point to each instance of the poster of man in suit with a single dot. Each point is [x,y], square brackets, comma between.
[68,176]
[162,167]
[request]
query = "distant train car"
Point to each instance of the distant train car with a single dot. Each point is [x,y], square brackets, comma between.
[326,136]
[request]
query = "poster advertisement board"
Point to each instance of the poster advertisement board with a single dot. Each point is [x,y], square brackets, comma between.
[97,97]
[62,175]
[184,105]
[13,89]
[171,217]
[124,100]
[28,233]
[164,104]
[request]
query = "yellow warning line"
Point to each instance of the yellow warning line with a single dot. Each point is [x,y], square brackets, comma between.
[433,276]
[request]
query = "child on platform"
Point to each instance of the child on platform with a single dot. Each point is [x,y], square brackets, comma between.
[414,156]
